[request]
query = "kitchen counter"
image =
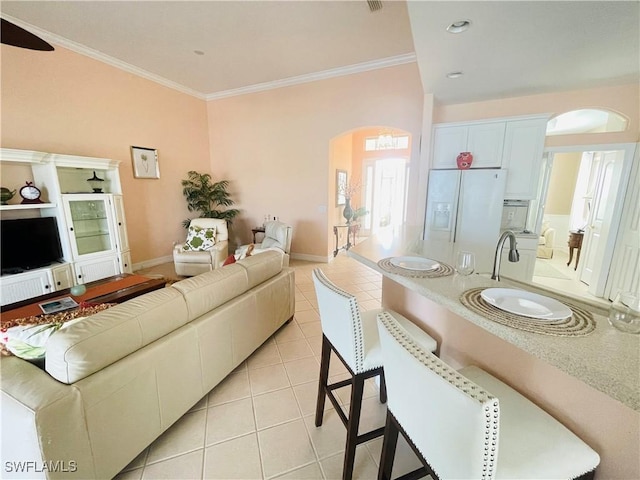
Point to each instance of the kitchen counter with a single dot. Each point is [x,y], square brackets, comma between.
[590,383]
[607,360]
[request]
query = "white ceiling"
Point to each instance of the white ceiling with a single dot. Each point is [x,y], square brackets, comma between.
[512,48]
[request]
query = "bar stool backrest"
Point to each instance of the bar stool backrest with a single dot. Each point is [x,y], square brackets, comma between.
[340,319]
[453,422]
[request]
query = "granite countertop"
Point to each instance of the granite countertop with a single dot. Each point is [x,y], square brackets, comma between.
[606,359]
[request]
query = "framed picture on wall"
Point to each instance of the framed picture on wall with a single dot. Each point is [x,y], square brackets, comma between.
[145,162]
[341,186]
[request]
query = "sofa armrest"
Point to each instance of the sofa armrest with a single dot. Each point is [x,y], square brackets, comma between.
[219,253]
[36,409]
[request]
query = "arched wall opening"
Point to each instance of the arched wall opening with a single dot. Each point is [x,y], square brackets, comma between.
[369,169]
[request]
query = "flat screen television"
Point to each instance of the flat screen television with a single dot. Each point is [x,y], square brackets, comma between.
[28,243]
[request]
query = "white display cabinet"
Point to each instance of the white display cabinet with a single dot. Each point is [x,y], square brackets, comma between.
[34,283]
[92,226]
[92,269]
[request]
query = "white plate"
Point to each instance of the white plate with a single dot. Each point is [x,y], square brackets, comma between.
[525,303]
[414,263]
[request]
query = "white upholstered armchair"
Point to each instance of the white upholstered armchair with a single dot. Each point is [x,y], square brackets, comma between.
[206,248]
[545,241]
[277,235]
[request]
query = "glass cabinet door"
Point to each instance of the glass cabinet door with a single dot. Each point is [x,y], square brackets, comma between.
[90,224]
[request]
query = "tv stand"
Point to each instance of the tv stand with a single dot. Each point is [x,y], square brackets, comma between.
[20,286]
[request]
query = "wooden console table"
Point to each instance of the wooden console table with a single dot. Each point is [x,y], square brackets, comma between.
[352,230]
[575,243]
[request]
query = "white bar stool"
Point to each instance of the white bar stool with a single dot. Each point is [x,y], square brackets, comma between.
[459,430]
[353,336]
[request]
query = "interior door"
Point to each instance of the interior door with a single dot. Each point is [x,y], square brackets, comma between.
[626,266]
[597,246]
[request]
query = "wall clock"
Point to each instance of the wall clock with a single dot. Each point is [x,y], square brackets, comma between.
[30,193]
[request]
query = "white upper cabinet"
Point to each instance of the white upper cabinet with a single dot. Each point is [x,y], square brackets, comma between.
[484,140]
[523,149]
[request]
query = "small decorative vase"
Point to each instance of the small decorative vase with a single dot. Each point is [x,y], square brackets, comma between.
[348,211]
[464,160]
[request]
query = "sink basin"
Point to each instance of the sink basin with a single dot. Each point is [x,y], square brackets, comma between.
[527,304]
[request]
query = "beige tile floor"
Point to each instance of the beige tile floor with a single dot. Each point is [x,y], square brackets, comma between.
[259,422]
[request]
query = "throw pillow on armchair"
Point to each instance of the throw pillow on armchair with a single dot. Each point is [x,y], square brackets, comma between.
[199,239]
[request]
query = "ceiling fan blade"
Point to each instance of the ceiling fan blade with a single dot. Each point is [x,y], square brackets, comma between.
[11,34]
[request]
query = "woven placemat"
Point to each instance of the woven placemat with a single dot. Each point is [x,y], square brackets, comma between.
[579,324]
[442,271]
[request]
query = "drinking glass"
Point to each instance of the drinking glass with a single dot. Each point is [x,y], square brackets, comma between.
[465,263]
[624,313]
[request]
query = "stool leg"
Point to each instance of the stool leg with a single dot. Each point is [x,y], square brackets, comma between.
[325,357]
[383,388]
[357,389]
[388,448]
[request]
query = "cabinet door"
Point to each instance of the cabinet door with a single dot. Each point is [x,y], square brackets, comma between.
[96,268]
[485,142]
[448,142]
[523,148]
[22,286]
[125,262]
[120,223]
[90,224]
[62,276]
[521,270]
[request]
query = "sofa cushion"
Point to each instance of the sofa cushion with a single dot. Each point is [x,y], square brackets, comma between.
[199,239]
[262,266]
[97,341]
[209,290]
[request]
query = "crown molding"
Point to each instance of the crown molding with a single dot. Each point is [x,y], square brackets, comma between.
[101,57]
[260,87]
[316,76]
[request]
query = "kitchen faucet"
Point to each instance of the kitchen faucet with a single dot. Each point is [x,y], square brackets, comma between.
[514,256]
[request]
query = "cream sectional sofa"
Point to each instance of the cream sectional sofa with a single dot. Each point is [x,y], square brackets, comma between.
[116,380]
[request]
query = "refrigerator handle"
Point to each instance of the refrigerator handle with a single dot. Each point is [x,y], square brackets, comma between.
[457,208]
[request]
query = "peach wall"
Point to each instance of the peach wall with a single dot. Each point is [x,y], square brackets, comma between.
[341,158]
[623,99]
[64,102]
[606,425]
[275,145]
[562,183]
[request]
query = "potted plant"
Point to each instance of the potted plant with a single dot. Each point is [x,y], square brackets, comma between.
[203,196]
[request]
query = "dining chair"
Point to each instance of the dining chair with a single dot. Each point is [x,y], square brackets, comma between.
[467,423]
[352,335]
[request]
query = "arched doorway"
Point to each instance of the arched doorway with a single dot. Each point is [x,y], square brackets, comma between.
[375,162]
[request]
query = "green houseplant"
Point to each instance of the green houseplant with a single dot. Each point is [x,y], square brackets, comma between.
[204,196]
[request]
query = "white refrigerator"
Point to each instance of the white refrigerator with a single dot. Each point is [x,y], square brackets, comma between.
[465,207]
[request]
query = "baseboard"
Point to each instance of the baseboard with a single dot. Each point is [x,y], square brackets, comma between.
[310,258]
[152,263]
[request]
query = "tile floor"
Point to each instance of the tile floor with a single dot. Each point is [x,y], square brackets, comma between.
[259,422]
[571,285]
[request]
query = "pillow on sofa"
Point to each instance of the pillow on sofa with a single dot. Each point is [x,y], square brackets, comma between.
[199,239]
[230,259]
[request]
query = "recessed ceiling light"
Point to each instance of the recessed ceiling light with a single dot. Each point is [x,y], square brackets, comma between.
[198,52]
[459,26]
[454,74]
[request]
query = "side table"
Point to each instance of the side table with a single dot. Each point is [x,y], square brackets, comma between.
[352,230]
[257,230]
[575,243]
